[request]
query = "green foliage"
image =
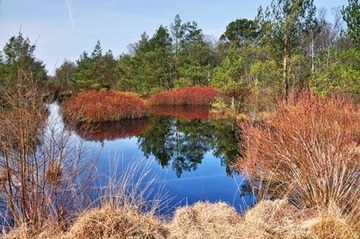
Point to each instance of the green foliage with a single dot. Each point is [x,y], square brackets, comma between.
[19,65]
[241,31]
[232,72]
[351,15]
[64,75]
[219,104]
[96,71]
[181,144]
[284,24]
[341,76]
[175,58]
[149,65]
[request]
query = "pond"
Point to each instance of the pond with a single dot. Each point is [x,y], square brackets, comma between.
[189,154]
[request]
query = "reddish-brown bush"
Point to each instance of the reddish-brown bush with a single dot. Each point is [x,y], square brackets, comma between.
[309,150]
[105,106]
[196,95]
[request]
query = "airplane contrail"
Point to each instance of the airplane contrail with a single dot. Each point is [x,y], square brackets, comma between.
[70,14]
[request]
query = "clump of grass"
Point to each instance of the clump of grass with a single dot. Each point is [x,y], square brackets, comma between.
[330,226]
[51,229]
[125,209]
[196,95]
[280,219]
[272,219]
[309,150]
[116,222]
[205,220]
[105,106]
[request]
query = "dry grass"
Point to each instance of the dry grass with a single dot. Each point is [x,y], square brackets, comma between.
[272,219]
[49,230]
[118,222]
[280,219]
[205,220]
[330,227]
[125,209]
[266,220]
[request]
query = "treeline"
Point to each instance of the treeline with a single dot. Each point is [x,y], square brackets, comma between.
[289,44]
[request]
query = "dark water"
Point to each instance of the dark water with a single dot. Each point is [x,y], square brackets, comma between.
[189,154]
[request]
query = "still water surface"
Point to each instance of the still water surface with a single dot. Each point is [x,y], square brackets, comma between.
[189,154]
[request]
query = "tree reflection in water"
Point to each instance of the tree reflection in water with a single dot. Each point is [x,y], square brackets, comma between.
[183,143]
[179,142]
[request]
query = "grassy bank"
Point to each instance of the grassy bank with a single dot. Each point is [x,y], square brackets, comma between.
[268,219]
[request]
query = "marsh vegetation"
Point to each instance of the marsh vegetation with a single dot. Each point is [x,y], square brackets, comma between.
[289,79]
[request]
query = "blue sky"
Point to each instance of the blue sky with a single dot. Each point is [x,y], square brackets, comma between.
[65,28]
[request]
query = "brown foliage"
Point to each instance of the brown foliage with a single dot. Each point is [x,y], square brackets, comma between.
[309,150]
[196,95]
[39,163]
[105,106]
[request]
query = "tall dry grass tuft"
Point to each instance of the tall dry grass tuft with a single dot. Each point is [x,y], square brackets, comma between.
[195,95]
[309,150]
[280,219]
[205,220]
[105,106]
[125,209]
[273,219]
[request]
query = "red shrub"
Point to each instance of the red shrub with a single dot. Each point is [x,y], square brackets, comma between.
[310,150]
[196,95]
[105,106]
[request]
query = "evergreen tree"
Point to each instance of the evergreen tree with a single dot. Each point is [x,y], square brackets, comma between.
[351,15]
[19,65]
[97,71]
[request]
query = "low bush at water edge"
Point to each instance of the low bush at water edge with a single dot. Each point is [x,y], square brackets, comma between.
[196,95]
[105,106]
